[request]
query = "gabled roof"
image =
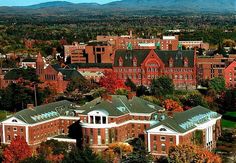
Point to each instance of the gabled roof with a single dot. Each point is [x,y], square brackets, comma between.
[119,105]
[90,65]
[128,55]
[67,72]
[177,56]
[187,120]
[45,112]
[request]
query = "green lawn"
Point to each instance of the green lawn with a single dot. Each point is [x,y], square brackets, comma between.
[228,124]
[232,114]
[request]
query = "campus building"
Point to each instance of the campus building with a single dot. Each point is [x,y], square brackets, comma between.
[114,118]
[209,67]
[143,65]
[54,76]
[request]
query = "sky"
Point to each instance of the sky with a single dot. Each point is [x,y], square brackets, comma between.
[31,2]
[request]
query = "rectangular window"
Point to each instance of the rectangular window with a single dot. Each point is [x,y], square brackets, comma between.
[171,139]
[104,120]
[99,131]
[155,138]
[154,147]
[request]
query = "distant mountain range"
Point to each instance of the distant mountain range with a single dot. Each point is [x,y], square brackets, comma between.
[126,6]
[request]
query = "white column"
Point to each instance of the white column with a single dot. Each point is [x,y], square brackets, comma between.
[177,139]
[88,118]
[27,134]
[101,119]
[3,134]
[93,119]
[106,119]
[149,143]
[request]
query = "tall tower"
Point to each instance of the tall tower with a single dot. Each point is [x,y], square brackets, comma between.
[40,66]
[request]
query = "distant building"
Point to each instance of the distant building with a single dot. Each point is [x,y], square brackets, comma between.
[118,42]
[28,62]
[209,67]
[114,119]
[54,76]
[92,71]
[143,65]
[195,44]
[76,51]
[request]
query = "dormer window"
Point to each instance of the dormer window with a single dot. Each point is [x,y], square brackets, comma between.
[120,61]
[135,62]
[185,62]
[171,62]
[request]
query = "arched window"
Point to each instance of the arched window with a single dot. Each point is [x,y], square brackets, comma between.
[135,62]
[120,61]
[163,129]
[14,120]
[163,148]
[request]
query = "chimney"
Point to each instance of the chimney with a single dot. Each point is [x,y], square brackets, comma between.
[107,97]
[30,106]
[131,95]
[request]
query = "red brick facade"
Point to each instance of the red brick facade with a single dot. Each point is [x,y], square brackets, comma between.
[175,66]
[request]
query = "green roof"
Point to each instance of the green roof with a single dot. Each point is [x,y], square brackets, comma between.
[120,105]
[128,55]
[90,65]
[140,54]
[177,56]
[45,112]
[67,72]
[29,60]
[184,121]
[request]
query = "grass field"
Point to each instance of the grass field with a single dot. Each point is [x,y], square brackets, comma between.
[232,114]
[228,124]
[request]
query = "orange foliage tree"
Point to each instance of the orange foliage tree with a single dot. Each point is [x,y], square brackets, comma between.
[171,105]
[191,153]
[110,82]
[115,150]
[17,151]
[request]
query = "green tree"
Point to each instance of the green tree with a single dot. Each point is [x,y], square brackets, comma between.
[217,84]
[162,86]
[139,154]
[122,92]
[35,159]
[82,156]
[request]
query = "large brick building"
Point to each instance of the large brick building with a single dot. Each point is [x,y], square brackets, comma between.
[114,119]
[209,67]
[121,42]
[54,76]
[143,65]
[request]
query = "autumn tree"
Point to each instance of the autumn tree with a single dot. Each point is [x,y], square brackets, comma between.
[116,151]
[171,105]
[162,86]
[110,82]
[185,153]
[17,151]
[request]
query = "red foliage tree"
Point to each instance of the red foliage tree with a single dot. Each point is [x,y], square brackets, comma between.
[17,151]
[110,82]
[171,105]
